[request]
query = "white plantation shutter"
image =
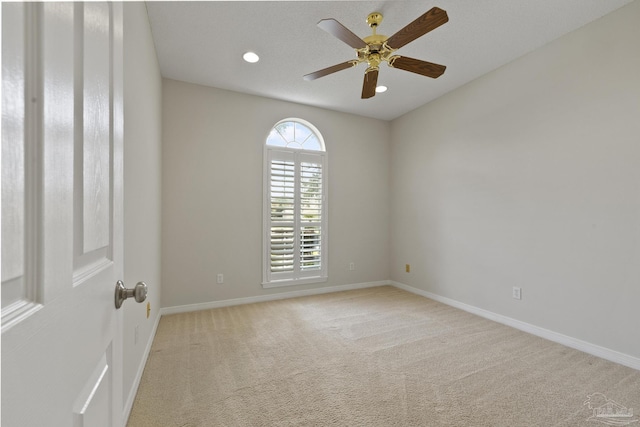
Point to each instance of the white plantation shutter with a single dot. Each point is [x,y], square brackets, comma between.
[282,203]
[311,201]
[295,216]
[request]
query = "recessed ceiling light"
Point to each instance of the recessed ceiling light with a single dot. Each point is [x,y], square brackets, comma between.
[250,57]
[380,89]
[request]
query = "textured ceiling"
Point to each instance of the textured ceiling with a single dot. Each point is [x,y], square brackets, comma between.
[203,43]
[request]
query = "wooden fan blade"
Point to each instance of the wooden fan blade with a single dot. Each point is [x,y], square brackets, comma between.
[338,30]
[330,70]
[417,66]
[370,82]
[421,26]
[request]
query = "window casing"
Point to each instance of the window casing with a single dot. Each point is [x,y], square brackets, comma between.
[295,205]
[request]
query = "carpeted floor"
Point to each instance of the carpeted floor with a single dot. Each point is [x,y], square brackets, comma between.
[370,357]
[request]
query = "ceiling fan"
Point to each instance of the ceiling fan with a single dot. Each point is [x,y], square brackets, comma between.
[378,48]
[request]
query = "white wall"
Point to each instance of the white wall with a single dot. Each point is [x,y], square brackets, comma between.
[212,193]
[142,178]
[529,177]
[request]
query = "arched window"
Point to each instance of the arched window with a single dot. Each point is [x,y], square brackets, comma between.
[295,205]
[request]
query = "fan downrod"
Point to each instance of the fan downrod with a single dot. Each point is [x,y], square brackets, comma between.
[375,40]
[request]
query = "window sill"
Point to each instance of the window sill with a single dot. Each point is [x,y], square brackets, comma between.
[293,282]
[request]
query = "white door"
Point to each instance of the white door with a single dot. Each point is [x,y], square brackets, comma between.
[61,214]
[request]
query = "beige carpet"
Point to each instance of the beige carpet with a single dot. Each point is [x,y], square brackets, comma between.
[371,357]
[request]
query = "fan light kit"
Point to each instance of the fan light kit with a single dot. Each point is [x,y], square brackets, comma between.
[251,57]
[378,48]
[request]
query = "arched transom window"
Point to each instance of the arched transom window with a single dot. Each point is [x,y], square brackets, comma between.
[292,133]
[295,205]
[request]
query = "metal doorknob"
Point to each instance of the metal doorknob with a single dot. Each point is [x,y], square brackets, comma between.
[139,293]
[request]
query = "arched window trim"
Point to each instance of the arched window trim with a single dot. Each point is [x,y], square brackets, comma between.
[303,257]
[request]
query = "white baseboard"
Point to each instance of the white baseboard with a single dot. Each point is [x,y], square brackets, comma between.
[589,348]
[270,297]
[136,382]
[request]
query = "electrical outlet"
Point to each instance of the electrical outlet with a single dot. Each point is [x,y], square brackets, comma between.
[352,266]
[220,278]
[517,293]
[407,268]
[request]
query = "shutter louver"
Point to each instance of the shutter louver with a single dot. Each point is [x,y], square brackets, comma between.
[282,246]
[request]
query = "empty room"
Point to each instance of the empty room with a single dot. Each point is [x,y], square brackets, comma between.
[310,213]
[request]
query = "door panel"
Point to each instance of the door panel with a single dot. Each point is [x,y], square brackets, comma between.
[92,227]
[14,293]
[62,358]
[96,135]
[93,404]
